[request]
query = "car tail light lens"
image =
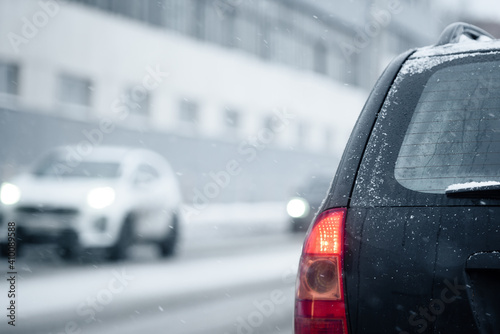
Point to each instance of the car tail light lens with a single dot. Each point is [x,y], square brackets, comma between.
[319,302]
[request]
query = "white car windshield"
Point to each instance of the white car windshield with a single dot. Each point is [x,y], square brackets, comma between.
[85,169]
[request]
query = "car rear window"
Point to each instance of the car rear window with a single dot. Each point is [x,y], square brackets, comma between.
[454,134]
[439,126]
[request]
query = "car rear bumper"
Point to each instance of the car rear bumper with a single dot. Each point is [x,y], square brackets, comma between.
[86,229]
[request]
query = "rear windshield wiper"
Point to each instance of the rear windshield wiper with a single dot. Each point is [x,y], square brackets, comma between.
[489,189]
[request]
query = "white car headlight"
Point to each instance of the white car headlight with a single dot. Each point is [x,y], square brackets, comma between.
[9,193]
[99,198]
[297,207]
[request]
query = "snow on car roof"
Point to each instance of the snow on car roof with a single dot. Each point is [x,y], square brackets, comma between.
[454,48]
[427,57]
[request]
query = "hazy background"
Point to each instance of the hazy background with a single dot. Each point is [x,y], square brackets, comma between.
[275,85]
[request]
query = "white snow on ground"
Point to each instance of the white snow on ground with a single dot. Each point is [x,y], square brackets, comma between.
[469,185]
[78,292]
[235,219]
[234,213]
[76,289]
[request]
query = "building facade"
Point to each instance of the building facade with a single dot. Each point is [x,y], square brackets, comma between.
[273,84]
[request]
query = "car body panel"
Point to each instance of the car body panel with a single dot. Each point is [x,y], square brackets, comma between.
[392,282]
[413,261]
[341,188]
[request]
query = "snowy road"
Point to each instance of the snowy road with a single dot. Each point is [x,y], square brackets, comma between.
[225,285]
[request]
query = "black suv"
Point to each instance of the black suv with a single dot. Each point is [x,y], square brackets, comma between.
[408,238]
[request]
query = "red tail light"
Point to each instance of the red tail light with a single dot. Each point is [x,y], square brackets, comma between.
[319,303]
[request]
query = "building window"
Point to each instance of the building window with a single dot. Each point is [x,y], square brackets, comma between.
[198,23]
[304,55]
[264,42]
[334,65]
[320,56]
[220,27]
[247,31]
[9,78]
[283,46]
[178,15]
[271,123]
[232,118]
[155,15]
[75,90]
[138,101]
[189,112]
[228,28]
[328,139]
[302,134]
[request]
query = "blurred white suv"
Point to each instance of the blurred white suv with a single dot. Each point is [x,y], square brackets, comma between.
[106,199]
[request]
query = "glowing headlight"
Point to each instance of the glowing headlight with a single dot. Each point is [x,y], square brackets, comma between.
[297,208]
[100,198]
[10,194]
